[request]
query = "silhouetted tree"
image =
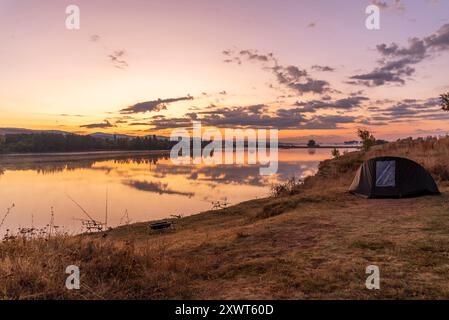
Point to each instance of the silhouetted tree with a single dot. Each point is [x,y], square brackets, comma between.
[335,153]
[312,144]
[48,142]
[445,101]
[367,138]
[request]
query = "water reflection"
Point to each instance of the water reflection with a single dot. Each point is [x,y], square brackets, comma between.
[156,187]
[145,186]
[48,165]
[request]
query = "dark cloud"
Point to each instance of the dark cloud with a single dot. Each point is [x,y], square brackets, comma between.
[231,57]
[254,55]
[139,124]
[323,68]
[162,122]
[439,41]
[380,77]
[153,106]
[105,124]
[328,121]
[121,121]
[356,93]
[396,63]
[71,115]
[305,115]
[346,104]
[248,116]
[311,25]
[311,85]
[117,59]
[299,81]
[254,116]
[408,110]
[292,77]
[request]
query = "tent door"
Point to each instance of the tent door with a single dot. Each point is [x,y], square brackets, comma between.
[385,179]
[386,173]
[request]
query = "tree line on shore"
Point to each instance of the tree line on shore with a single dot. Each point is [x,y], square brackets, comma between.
[50,142]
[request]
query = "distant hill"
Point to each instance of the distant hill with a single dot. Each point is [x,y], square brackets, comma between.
[101,135]
[29,131]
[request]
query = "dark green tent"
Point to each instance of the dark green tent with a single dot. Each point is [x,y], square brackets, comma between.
[392,177]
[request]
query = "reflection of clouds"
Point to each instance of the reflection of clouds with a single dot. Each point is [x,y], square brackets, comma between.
[155,187]
[248,175]
[298,169]
[237,174]
[210,176]
[229,174]
[307,173]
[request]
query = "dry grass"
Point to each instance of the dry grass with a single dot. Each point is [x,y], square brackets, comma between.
[432,153]
[314,243]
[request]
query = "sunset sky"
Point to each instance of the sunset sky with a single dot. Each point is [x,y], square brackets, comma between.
[308,68]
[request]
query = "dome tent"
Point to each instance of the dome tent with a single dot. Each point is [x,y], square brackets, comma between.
[392,177]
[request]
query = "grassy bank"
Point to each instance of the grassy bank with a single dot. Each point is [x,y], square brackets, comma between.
[312,241]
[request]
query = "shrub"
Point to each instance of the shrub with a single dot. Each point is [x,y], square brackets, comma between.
[441,172]
[286,188]
[335,153]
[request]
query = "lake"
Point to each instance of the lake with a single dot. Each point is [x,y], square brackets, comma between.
[135,186]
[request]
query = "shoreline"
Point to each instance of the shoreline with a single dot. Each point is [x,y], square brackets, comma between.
[320,147]
[6,159]
[82,153]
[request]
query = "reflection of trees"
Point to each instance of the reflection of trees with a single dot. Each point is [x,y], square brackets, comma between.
[43,168]
[151,159]
[50,165]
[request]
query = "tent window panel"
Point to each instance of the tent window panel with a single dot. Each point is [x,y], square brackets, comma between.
[385,173]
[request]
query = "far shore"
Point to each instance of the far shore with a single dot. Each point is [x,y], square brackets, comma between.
[319,147]
[103,152]
[14,158]
[144,152]
[6,158]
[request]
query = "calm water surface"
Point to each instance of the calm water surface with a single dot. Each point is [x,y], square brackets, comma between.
[148,187]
